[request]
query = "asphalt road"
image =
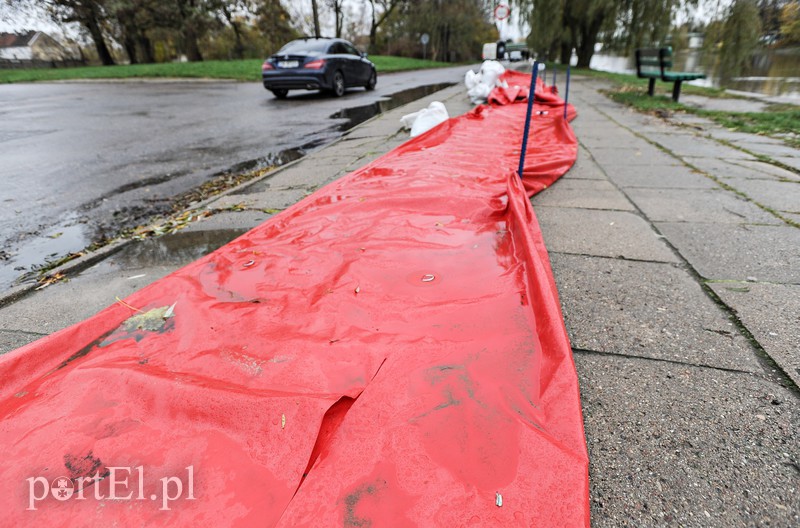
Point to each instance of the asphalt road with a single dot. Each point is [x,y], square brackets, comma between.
[80,160]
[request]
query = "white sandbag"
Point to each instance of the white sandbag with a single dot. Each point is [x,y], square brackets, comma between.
[479,93]
[490,71]
[480,85]
[471,79]
[408,119]
[423,120]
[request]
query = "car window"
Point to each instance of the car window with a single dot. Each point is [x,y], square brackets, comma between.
[305,46]
[337,49]
[351,50]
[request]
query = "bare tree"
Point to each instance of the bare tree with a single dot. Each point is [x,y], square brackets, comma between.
[226,10]
[386,7]
[90,15]
[336,6]
[315,10]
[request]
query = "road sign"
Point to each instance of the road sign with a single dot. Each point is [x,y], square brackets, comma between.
[501,12]
[424,39]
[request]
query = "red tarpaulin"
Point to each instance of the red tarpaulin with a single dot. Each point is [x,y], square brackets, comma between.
[390,351]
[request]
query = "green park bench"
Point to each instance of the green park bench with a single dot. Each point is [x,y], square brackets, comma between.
[655,64]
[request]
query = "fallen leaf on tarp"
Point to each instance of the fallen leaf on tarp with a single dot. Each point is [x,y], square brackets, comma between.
[151,320]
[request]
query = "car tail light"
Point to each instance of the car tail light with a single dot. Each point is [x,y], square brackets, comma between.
[315,65]
[267,66]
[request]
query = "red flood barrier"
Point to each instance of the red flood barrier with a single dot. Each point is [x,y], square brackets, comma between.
[389,351]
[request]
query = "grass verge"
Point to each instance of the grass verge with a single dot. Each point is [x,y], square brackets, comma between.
[239,70]
[781,121]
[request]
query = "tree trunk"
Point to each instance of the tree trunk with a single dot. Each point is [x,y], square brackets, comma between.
[566,52]
[146,48]
[238,48]
[188,30]
[190,42]
[588,38]
[130,48]
[446,44]
[315,11]
[339,19]
[585,52]
[97,36]
[373,29]
[567,36]
[632,39]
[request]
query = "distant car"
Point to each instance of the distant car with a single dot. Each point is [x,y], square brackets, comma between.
[318,64]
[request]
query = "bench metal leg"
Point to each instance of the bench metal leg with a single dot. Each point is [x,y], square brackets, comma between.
[676,91]
[651,87]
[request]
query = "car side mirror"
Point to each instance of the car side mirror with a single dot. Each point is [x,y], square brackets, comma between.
[364,54]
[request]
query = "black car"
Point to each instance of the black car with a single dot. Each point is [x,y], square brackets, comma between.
[318,64]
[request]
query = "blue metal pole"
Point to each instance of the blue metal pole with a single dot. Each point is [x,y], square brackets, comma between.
[566,94]
[531,97]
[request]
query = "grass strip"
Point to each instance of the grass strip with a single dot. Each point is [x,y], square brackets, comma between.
[239,70]
[781,121]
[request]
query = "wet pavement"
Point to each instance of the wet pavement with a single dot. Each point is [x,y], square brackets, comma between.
[676,267]
[83,161]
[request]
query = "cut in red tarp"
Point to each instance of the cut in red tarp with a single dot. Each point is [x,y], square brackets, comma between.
[388,352]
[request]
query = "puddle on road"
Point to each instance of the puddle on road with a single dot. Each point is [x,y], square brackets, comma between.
[359,114]
[276,159]
[68,236]
[19,263]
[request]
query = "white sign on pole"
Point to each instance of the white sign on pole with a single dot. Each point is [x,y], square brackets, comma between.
[424,39]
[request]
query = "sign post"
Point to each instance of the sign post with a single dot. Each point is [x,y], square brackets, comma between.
[424,39]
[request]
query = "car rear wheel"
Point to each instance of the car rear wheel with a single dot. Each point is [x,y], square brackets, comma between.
[279,93]
[338,84]
[373,80]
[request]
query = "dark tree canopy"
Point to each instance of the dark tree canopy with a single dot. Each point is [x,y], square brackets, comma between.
[457,29]
[560,26]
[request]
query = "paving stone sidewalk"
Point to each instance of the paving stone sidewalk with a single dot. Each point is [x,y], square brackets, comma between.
[677,266]
[678,269]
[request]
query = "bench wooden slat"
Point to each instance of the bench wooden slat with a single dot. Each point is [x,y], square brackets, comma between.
[654,63]
[683,76]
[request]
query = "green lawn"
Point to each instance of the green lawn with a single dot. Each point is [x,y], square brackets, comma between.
[240,70]
[775,120]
